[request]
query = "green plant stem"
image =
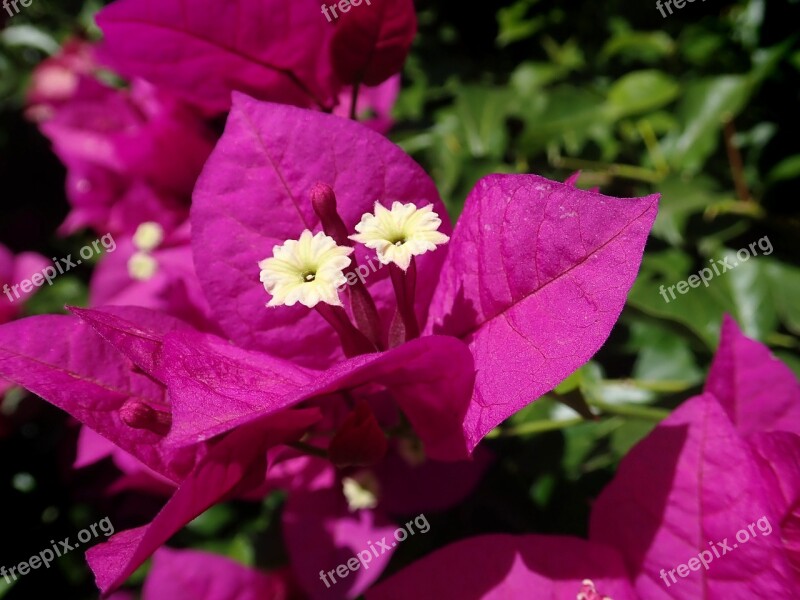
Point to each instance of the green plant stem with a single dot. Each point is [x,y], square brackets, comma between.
[665,386]
[626,171]
[653,148]
[647,413]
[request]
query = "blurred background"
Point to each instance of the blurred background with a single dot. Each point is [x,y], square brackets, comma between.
[701,106]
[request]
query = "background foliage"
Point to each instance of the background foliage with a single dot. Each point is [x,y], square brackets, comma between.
[700,106]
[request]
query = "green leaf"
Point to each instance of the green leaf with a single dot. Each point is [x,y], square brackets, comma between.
[708,103]
[784,287]
[741,290]
[29,36]
[699,45]
[628,435]
[481,114]
[646,46]
[696,310]
[529,78]
[212,521]
[680,199]
[746,286]
[704,108]
[567,116]
[513,26]
[641,91]
[67,289]
[788,168]
[663,355]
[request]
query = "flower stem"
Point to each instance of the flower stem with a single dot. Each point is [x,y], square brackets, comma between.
[353,341]
[405,287]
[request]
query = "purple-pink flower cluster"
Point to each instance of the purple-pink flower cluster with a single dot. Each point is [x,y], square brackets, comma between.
[372,407]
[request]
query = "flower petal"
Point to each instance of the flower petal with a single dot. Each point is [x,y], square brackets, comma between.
[497,567]
[205,52]
[757,390]
[536,277]
[265,166]
[692,481]
[227,468]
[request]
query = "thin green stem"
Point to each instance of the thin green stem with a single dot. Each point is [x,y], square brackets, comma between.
[647,413]
[653,147]
[666,386]
[616,170]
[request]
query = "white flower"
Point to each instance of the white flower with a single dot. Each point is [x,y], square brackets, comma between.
[307,270]
[148,236]
[142,265]
[400,233]
[361,491]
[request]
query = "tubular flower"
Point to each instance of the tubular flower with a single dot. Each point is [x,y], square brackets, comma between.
[307,270]
[401,233]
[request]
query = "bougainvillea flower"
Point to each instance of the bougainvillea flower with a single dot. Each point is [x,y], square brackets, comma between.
[757,390]
[694,483]
[120,400]
[701,508]
[325,523]
[195,574]
[138,147]
[495,567]
[523,299]
[761,394]
[58,78]
[321,531]
[525,282]
[153,268]
[206,50]
[216,386]
[141,133]
[190,52]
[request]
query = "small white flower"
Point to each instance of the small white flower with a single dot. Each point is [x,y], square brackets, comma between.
[142,266]
[361,491]
[307,270]
[401,233]
[148,236]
